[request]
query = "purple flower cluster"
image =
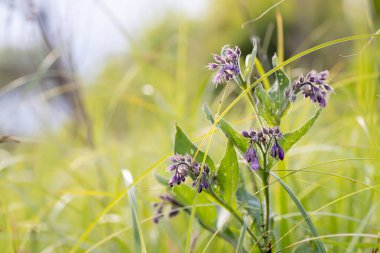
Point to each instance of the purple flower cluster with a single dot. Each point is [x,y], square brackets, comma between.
[313,86]
[203,179]
[184,166]
[166,200]
[181,166]
[227,64]
[263,139]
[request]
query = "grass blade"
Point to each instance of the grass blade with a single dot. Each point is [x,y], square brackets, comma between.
[239,248]
[330,236]
[306,216]
[361,228]
[137,232]
[116,200]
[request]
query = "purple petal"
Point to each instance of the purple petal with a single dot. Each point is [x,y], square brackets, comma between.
[328,88]
[245,134]
[255,165]
[281,153]
[273,151]
[212,66]
[324,74]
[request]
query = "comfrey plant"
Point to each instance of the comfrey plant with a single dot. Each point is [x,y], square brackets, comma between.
[260,147]
[184,166]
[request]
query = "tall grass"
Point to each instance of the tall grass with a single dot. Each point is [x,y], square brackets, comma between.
[60,195]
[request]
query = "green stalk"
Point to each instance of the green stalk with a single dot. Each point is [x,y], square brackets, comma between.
[265,178]
[267,209]
[243,85]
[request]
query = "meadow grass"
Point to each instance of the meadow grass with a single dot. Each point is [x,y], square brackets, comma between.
[62,196]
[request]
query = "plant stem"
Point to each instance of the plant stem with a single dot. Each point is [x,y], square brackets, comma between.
[243,85]
[232,211]
[267,237]
[267,207]
[255,110]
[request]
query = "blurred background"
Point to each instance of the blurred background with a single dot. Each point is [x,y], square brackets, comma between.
[91,87]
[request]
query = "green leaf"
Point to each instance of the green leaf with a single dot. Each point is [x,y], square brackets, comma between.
[184,194]
[242,144]
[239,248]
[208,113]
[266,106]
[250,61]
[277,91]
[228,175]
[309,223]
[292,138]
[233,136]
[183,145]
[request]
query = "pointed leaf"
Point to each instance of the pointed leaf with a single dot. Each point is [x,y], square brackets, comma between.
[233,136]
[183,145]
[266,106]
[277,91]
[289,139]
[228,175]
[250,61]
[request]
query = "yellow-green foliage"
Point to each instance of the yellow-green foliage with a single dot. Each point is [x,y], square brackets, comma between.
[57,194]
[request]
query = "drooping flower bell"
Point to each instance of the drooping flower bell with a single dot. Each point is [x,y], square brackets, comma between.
[313,86]
[251,157]
[166,201]
[202,179]
[181,165]
[277,151]
[262,139]
[184,166]
[227,64]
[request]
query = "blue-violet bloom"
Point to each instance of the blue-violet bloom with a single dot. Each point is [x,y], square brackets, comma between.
[184,166]
[313,86]
[227,64]
[276,150]
[181,165]
[251,157]
[203,179]
[166,200]
[263,139]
